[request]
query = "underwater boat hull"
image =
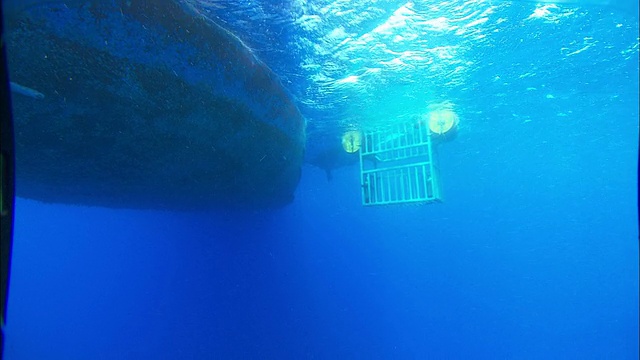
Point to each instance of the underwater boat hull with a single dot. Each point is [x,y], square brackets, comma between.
[147,106]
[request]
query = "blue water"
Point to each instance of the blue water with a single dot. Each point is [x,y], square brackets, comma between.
[532,255]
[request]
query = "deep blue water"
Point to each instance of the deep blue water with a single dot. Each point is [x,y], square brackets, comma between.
[533,254]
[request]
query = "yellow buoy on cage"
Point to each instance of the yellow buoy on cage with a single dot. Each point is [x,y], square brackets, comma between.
[351,141]
[443,122]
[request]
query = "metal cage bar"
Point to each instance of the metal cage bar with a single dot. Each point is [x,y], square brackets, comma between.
[397,166]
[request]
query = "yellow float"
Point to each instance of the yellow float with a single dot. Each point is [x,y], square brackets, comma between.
[351,141]
[443,122]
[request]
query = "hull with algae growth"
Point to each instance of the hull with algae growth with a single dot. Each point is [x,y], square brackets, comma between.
[146,104]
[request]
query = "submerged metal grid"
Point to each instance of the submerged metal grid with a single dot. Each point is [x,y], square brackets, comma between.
[397,166]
